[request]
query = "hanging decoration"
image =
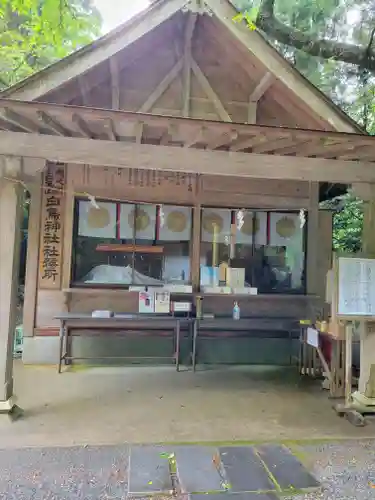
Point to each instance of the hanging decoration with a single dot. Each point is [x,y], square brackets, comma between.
[97,220]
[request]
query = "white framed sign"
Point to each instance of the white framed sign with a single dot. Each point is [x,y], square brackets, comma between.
[356,287]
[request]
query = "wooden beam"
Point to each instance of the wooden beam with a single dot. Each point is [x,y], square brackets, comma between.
[321,149]
[19,120]
[162,87]
[262,87]
[252,113]
[223,140]
[84,90]
[54,124]
[111,130]
[186,80]
[99,51]
[82,126]
[138,132]
[195,137]
[64,112]
[187,160]
[276,64]
[274,145]
[249,142]
[209,91]
[115,82]
[168,134]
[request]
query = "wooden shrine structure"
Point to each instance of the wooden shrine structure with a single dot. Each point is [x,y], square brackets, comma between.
[182,106]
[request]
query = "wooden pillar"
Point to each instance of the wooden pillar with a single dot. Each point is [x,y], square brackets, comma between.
[367,351]
[196,239]
[312,240]
[32,259]
[11,213]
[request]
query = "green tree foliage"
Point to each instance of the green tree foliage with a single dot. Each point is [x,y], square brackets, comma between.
[351,88]
[347,222]
[35,33]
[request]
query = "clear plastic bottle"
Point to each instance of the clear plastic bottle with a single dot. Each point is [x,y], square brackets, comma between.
[236,311]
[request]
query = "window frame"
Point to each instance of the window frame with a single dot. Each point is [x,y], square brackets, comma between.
[110,286]
[303,289]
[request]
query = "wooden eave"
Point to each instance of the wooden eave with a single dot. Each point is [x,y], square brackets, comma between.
[148,129]
[80,62]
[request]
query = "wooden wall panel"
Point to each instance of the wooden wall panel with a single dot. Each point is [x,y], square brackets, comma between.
[133,184]
[49,304]
[253,193]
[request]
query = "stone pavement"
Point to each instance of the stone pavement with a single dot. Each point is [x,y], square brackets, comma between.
[264,472]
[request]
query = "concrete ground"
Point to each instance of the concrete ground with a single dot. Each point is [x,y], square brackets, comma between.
[147,405]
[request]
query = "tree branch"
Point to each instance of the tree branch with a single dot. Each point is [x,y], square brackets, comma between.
[363,57]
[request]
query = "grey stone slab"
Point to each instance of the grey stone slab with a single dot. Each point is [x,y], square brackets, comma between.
[235,496]
[286,468]
[244,470]
[196,470]
[149,471]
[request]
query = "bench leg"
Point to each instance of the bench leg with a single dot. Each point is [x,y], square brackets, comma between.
[178,346]
[195,337]
[61,347]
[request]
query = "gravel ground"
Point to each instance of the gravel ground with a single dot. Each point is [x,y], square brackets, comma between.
[346,470]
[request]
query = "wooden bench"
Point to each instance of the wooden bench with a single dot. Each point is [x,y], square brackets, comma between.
[121,325]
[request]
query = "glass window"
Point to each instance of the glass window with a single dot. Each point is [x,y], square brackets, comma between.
[131,244]
[266,250]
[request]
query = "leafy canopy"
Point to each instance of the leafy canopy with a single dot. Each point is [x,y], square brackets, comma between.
[36,33]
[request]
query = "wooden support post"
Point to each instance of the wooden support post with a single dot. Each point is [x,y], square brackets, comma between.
[186,81]
[196,239]
[312,239]
[32,260]
[11,216]
[348,362]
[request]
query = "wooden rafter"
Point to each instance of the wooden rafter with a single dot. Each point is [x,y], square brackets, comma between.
[138,132]
[186,80]
[252,112]
[274,145]
[161,88]
[82,126]
[256,94]
[209,91]
[19,120]
[194,137]
[248,143]
[324,147]
[96,53]
[115,82]
[53,124]
[276,64]
[111,130]
[223,140]
[262,87]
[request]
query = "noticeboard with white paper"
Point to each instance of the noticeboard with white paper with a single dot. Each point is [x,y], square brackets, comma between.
[356,287]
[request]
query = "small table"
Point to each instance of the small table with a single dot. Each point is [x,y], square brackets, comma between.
[122,322]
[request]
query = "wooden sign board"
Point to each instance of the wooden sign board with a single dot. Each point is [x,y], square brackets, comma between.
[355,285]
[51,237]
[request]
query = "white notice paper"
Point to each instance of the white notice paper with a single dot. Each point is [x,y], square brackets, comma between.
[356,287]
[313,337]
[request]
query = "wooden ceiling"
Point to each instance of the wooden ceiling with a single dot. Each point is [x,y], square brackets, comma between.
[142,128]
